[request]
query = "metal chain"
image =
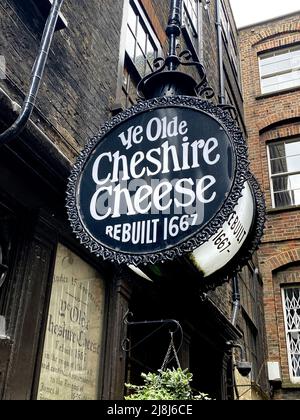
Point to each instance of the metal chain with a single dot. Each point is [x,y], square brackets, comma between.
[168,359]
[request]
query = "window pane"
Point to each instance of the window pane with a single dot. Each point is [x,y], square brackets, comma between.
[279,166]
[277,150]
[290,164]
[140,62]
[286,190]
[283,199]
[151,53]
[190,16]
[285,157]
[285,160]
[224,21]
[278,64]
[132,20]
[288,182]
[141,37]
[293,164]
[280,82]
[148,68]
[280,69]
[141,48]
[130,44]
[292,148]
[292,318]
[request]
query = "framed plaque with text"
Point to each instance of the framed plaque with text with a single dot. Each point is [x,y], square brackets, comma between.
[73,342]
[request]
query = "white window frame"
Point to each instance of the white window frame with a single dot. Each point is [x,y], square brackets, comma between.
[291,70]
[146,24]
[193,32]
[132,74]
[294,379]
[189,18]
[225,23]
[271,176]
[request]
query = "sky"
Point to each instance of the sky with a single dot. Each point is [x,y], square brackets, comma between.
[247,12]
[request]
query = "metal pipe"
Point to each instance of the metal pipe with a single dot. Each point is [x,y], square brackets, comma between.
[220,54]
[36,77]
[3,269]
[236,299]
[173,31]
[232,344]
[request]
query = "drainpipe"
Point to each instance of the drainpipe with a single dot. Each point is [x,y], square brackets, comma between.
[36,77]
[220,54]
[236,299]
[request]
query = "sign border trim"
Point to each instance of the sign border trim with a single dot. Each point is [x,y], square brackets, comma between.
[241,175]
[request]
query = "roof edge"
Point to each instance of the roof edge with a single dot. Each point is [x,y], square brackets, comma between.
[281,17]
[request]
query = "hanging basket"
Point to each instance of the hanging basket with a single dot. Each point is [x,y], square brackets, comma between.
[167,384]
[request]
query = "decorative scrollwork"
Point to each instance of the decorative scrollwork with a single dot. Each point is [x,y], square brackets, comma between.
[159,64]
[185,58]
[230,108]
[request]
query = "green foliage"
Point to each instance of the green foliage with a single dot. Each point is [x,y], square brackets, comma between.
[165,385]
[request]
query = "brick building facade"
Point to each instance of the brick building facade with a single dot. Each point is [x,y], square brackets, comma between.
[99,54]
[270,56]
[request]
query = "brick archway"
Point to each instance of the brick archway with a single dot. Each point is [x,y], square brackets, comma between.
[268,33]
[283,259]
[287,117]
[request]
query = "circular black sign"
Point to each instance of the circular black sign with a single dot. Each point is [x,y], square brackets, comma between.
[157,181]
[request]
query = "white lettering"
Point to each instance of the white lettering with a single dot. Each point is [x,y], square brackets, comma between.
[202,188]
[211,145]
[94,201]
[95,172]
[133,136]
[181,189]
[157,196]
[139,198]
[136,160]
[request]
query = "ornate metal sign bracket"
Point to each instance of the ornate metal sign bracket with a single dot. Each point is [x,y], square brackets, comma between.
[129,224]
[126,344]
[166,80]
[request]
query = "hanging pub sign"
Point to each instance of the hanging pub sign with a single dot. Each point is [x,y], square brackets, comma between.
[161,180]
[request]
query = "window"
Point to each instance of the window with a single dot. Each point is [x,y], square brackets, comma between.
[230,42]
[251,320]
[280,69]
[190,16]
[284,163]
[224,23]
[291,304]
[142,47]
[191,20]
[233,54]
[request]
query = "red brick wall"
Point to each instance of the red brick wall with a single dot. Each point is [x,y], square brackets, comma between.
[269,118]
